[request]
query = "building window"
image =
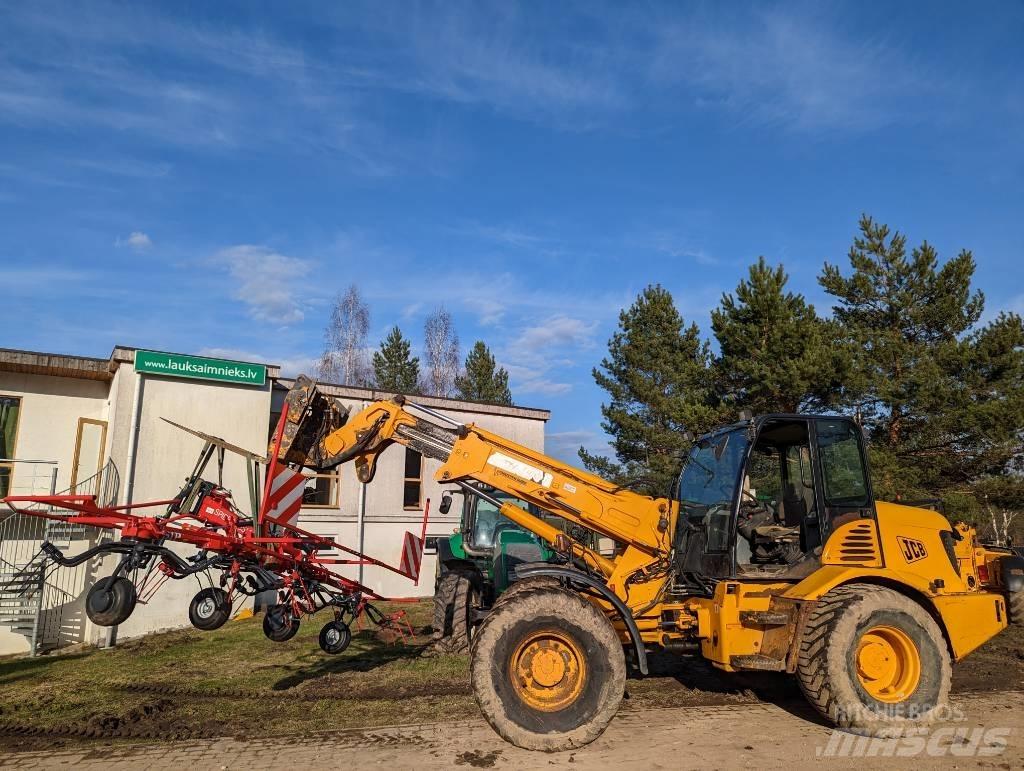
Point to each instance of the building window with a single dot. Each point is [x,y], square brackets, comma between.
[413,485]
[321,492]
[10,406]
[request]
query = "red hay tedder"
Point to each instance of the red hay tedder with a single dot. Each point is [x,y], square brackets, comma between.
[252,555]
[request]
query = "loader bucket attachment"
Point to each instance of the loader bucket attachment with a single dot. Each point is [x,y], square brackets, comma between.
[309,417]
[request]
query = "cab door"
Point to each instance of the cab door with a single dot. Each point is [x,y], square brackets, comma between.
[841,473]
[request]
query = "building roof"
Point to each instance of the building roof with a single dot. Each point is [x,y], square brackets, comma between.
[90,368]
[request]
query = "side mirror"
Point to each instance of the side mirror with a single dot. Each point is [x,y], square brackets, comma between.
[446,503]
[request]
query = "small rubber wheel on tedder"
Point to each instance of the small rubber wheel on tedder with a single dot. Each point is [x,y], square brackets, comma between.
[547,669]
[209,609]
[456,596]
[335,637]
[872,659]
[110,601]
[279,624]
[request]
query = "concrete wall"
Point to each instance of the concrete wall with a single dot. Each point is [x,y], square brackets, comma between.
[48,424]
[165,456]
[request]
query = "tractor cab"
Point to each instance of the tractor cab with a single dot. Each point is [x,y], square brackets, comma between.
[760,498]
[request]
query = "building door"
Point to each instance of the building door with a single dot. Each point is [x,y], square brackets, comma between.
[89,446]
[9,408]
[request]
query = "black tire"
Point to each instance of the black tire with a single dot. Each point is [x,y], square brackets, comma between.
[525,584]
[1015,608]
[279,624]
[335,637]
[209,609]
[589,665]
[830,652]
[110,601]
[455,598]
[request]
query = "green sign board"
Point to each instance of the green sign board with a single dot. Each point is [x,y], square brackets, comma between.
[200,368]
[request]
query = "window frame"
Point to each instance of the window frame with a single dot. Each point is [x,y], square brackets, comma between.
[334,492]
[78,449]
[14,445]
[417,479]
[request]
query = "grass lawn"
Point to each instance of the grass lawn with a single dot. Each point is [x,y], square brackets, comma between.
[232,682]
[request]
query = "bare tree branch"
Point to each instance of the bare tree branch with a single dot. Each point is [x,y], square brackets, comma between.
[344,359]
[441,353]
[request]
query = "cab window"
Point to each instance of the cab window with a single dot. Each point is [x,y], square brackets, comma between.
[842,466]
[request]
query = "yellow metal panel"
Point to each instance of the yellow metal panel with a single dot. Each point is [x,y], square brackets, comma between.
[971,619]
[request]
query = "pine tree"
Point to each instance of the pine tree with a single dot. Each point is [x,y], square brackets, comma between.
[483,380]
[941,400]
[775,354]
[394,367]
[658,373]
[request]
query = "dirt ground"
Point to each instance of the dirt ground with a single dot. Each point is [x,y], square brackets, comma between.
[190,685]
[987,733]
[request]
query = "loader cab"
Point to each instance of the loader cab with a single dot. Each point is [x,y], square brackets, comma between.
[760,498]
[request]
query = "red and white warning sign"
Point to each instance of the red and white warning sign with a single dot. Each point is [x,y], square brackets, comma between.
[285,497]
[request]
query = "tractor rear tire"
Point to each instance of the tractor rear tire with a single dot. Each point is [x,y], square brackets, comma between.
[454,601]
[872,659]
[525,584]
[210,609]
[279,625]
[110,601]
[1015,607]
[548,670]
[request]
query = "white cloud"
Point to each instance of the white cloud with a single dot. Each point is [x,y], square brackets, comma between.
[266,281]
[537,350]
[137,241]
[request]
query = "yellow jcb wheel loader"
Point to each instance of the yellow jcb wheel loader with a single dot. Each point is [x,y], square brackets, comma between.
[772,555]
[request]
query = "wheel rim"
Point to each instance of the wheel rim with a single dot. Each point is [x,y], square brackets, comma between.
[333,636]
[888,664]
[548,671]
[206,608]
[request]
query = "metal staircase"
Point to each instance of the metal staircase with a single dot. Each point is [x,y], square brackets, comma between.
[32,596]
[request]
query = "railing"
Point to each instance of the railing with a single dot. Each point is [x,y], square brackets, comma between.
[37,599]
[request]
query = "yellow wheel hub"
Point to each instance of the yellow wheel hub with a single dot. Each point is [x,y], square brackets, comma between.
[888,664]
[548,670]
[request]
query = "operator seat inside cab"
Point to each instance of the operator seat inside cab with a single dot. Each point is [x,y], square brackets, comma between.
[777,503]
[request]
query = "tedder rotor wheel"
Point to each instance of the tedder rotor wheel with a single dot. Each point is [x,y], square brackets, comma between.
[279,624]
[335,637]
[209,609]
[872,658]
[110,601]
[454,600]
[548,670]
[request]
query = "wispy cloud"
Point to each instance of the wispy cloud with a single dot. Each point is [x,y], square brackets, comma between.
[791,67]
[269,283]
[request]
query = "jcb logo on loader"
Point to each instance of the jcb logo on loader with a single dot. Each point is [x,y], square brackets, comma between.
[912,550]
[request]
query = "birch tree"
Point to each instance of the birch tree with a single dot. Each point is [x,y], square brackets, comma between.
[344,359]
[441,354]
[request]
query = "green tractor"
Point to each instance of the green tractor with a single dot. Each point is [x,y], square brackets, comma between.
[477,564]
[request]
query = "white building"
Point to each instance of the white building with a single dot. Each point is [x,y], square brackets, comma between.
[95,425]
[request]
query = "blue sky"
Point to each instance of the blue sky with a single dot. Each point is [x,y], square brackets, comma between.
[204,177]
